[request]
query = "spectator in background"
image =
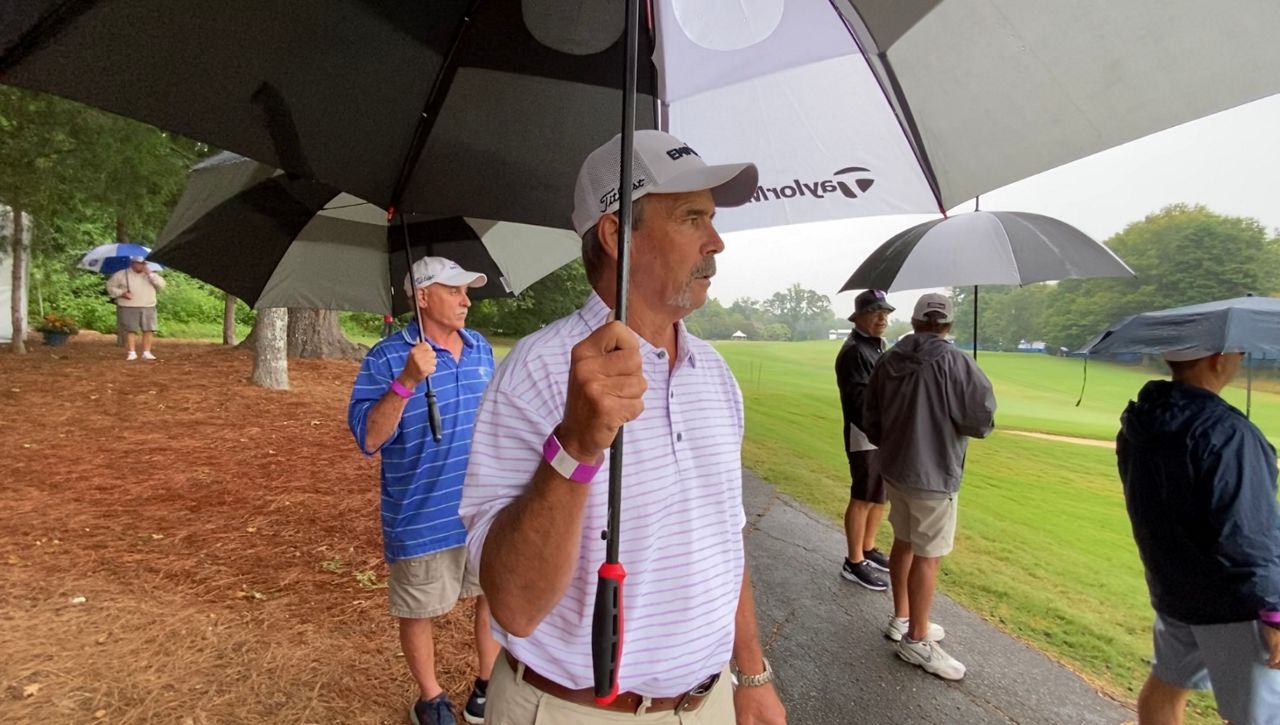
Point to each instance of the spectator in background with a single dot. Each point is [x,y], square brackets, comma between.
[422,479]
[863,562]
[134,291]
[924,401]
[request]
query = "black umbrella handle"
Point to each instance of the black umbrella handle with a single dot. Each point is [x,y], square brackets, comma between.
[433,413]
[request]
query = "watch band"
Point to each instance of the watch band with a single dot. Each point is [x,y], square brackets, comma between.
[742,680]
[399,389]
[565,464]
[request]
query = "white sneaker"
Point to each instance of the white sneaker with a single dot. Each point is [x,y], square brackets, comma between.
[146,355]
[897,629]
[131,356]
[930,657]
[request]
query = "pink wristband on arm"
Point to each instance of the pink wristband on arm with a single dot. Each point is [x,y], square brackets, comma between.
[401,390]
[565,464]
[1269,617]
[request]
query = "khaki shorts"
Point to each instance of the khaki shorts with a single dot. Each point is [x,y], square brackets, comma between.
[925,519]
[136,319]
[429,586]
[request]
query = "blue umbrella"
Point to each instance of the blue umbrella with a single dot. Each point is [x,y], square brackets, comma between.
[1243,324]
[108,259]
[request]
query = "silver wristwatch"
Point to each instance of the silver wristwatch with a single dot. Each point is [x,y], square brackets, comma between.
[741,680]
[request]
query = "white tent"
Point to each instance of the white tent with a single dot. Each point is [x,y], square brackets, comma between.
[739,335]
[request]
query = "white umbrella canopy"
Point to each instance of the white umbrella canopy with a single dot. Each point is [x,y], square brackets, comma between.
[872,107]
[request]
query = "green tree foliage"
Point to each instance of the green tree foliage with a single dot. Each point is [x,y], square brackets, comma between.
[1182,255]
[550,298]
[806,313]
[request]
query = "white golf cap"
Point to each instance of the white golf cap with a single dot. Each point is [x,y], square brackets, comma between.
[937,303]
[661,164]
[438,270]
[137,258]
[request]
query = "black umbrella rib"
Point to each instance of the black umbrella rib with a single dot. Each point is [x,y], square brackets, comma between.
[887,79]
[431,110]
[43,30]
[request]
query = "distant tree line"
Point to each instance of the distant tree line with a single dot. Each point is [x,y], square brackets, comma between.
[795,313]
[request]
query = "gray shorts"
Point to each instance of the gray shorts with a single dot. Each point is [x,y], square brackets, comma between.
[429,586]
[1230,659]
[136,319]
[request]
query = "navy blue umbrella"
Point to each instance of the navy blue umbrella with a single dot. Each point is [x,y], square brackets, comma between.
[1243,324]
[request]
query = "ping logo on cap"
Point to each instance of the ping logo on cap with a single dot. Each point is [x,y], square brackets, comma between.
[680,152]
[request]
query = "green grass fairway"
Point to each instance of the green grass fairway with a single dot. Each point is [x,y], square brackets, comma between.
[1044,548]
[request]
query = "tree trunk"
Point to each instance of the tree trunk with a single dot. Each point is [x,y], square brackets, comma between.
[120,230]
[228,319]
[315,334]
[20,246]
[270,364]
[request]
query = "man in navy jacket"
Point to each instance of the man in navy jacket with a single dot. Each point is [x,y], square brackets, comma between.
[1200,485]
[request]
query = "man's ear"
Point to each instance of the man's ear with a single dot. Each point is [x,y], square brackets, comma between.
[607,232]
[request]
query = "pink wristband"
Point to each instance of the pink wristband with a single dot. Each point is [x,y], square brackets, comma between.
[1269,617]
[565,464]
[401,390]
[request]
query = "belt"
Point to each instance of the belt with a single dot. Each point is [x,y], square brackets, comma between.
[625,701]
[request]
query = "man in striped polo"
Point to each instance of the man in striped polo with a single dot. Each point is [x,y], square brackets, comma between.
[421,479]
[536,493]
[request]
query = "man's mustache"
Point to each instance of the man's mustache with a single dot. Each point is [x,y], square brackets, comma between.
[705,268]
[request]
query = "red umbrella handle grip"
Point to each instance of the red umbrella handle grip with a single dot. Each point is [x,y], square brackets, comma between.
[606,632]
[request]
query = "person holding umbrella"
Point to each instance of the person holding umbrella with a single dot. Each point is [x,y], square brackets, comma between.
[134,291]
[535,498]
[854,364]
[1200,486]
[924,401]
[422,479]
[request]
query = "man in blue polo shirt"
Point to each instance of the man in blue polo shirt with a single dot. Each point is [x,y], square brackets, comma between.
[422,535]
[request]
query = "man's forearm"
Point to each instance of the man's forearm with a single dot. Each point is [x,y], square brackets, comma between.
[383,419]
[747,652]
[531,551]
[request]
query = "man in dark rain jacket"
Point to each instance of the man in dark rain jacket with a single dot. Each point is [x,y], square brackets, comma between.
[1200,485]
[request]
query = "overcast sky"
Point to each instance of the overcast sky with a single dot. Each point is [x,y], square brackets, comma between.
[1230,162]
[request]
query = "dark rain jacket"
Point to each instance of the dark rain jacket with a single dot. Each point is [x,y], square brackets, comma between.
[924,401]
[854,364]
[1200,485]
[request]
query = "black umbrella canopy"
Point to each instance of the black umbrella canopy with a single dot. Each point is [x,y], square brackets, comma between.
[443,108]
[275,240]
[1242,324]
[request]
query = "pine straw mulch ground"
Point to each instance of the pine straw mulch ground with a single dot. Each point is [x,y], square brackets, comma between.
[179,546]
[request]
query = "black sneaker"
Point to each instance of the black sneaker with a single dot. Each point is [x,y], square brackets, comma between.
[436,711]
[474,711]
[877,559]
[863,573]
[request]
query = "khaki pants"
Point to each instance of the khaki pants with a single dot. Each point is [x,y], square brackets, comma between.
[516,702]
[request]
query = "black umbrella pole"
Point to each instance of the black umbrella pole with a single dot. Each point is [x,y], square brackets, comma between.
[433,407]
[606,624]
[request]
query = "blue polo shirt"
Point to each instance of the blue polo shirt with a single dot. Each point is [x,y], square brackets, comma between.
[422,479]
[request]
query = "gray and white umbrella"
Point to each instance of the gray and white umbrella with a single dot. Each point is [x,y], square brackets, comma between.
[279,241]
[982,248]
